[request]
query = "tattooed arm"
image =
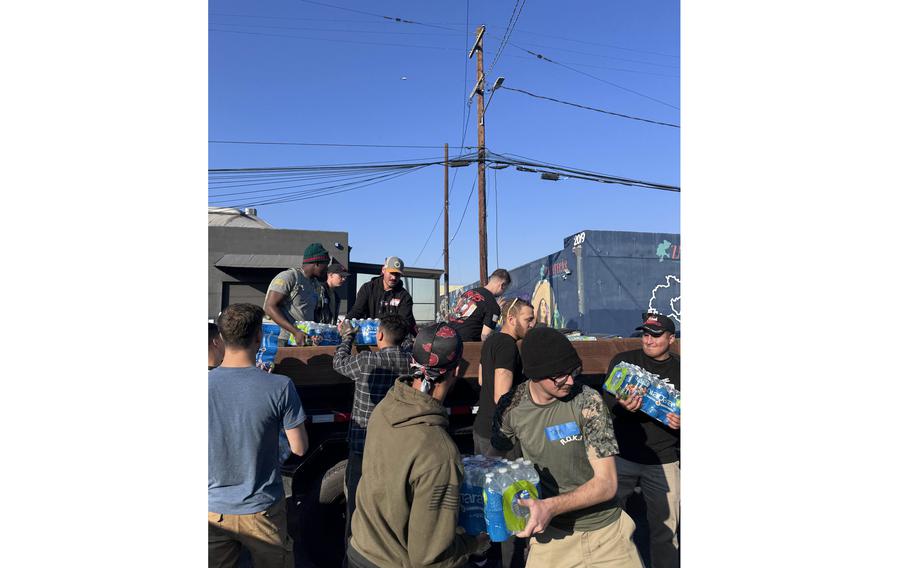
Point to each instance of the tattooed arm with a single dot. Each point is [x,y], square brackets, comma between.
[600,446]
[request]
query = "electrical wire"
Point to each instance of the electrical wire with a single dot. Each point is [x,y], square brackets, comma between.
[339,40]
[464,129]
[510,27]
[436,146]
[545,58]
[591,108]
[496,198]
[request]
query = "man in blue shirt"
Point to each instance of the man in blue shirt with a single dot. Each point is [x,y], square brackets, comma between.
[247,409]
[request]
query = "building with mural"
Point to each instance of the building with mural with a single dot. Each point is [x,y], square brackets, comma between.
[602,281]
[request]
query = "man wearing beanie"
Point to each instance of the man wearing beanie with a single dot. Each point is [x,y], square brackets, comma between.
[565,430]
[297,294]
[408,496]
[648,449]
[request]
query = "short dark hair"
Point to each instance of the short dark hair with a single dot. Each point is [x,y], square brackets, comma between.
[395,326]
[502,274]
[213,331]
[513,306]
[239,324]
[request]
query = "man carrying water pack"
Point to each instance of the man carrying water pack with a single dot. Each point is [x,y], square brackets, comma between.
[648,449]
[567,433]
[297,294]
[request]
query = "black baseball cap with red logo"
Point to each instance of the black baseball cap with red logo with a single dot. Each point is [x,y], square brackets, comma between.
[656,323]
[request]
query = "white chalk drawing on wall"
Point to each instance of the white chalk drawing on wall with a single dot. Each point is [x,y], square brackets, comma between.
[665,298]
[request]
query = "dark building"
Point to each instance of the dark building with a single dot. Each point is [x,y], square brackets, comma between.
[602,281]
[245,253]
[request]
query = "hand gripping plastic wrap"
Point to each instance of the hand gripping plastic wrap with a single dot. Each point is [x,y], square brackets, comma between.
[490,494]
[659,396]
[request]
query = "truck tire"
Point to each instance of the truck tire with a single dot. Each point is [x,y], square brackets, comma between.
[319,536]
[333,483]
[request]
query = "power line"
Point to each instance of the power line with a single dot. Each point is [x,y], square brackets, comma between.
[385,32]
[529,165]
[638,61]
[338,40]
[442,26]
[465,210]
[326,144]
[464,128]
[391,18]
[496,197]
[591,108]
[300,196]
[513,20]
[545,58]
[608,45]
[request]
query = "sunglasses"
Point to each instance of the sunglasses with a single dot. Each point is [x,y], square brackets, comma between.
[652,333]
[560,381]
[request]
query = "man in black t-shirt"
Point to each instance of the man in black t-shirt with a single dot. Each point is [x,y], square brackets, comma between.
[648,449]
[500,369]
[476,314]
[500,372]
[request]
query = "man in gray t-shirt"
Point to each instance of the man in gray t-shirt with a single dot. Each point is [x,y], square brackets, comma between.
[247,409]
[297,294]
[564,428]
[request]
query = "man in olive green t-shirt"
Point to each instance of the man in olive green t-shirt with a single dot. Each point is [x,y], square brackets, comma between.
[565,430]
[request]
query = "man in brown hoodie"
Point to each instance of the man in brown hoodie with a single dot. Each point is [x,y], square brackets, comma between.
[407,499]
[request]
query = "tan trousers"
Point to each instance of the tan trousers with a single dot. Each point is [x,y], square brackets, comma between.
[264,533]
[660,488]
[610,546]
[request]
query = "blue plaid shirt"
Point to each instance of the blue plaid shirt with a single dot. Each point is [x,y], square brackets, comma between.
[373,374]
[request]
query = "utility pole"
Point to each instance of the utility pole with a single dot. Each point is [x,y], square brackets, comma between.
[481,156]
[445,242]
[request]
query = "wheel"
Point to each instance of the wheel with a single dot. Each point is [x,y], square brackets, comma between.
[320,511]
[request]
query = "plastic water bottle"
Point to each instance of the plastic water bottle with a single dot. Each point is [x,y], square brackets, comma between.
[518,474]
[492,507]
[533,476]
[372,328]
[470,513]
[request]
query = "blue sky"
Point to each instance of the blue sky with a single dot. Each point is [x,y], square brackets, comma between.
[295,71]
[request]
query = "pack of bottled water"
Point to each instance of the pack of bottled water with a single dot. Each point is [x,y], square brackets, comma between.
[317,333]
[366,330]
[265,357]
[659,396]
[490,493]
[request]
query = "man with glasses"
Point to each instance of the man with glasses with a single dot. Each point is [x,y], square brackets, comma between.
[337,274]
[565,430]
[648,449]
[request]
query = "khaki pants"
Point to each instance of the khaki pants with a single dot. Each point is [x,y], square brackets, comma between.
[264,533]
[660,488]
[610,546]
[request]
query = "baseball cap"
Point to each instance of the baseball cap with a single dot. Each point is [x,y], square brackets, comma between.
[437,350]
[656,323]
[393,264]
[337,269]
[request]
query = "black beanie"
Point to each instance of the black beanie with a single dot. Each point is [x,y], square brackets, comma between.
[546,352]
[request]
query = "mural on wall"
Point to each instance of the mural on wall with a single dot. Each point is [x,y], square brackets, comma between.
[618,274]
[665,298]
[667,250]
[546,311]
